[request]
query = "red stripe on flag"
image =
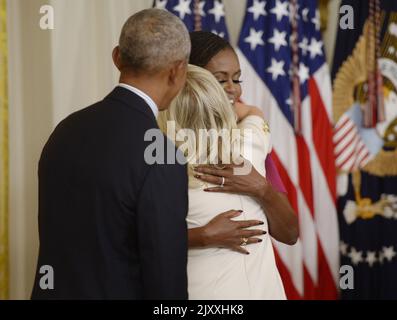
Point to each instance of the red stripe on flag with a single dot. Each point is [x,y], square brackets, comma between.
[351,155]
[285,274]
[322,137]
[310,288]
[290,290]
[348,144]
[363,162]
[344,136]
[326,288]
[340,126]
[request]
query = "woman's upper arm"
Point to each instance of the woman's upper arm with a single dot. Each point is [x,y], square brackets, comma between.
[273,176]
[257,141]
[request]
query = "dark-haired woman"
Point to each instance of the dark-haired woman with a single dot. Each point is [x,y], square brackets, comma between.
[213,53]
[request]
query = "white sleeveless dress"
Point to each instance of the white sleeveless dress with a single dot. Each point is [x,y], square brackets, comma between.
[222,274]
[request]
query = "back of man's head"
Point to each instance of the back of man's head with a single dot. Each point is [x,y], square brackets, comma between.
[152,40]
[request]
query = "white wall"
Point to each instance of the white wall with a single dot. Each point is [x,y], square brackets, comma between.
[53,73]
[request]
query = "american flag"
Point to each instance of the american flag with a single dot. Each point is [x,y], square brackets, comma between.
[305,162]
[350,149]
[211,14]
[305,158]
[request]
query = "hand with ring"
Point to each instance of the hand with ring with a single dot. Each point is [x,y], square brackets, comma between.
[252,184]
[224,232]
[244,242]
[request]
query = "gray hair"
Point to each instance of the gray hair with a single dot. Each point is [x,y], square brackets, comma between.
[152,39]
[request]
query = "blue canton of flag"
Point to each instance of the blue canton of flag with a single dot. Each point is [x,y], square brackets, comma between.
[212,14]
[265,41]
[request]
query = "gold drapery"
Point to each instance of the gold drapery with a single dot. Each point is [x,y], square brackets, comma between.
[4,263]
[323,7]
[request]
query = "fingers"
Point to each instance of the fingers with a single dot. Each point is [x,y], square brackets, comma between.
[210,179]
[249,223]
[251,233]
[224,170]
[253,240]
[225,189]
[240,249]
[242,224]
[213,171]
[221,167]
[232,213]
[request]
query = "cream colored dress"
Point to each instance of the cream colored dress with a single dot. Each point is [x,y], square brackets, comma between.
[222,274]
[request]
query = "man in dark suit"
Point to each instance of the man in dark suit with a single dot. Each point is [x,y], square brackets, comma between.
[111,225]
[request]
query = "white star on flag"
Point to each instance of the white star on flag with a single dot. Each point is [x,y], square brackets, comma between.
[280,10]
[371,258]
[278,39]
[315,48]
[303,73]
[305,13]
[389,253]
[258,9]
[183,8]
[355,256]
[276,69]
[218,11]
[304,45]
[343,248]
[255,38]
[316,20]
[161,4]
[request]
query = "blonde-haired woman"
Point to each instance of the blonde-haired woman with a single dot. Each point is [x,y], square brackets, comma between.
[222,273]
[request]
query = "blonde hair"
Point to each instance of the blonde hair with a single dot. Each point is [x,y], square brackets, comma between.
[201,105]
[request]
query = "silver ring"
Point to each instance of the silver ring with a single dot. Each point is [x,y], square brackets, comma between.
[244,242]
[223,182]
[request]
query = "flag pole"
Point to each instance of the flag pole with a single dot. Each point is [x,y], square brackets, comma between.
[197,16]
[296,95]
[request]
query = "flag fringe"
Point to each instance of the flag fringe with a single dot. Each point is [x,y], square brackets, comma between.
[384,164]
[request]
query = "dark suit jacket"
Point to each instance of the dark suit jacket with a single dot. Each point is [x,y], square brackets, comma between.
[111,226]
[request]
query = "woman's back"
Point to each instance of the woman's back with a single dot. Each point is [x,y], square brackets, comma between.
[218,273]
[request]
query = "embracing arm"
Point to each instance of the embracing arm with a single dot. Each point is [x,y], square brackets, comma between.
[282,220]
[223,232]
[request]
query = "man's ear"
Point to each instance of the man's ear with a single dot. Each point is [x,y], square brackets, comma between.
[176,72]
[116,57]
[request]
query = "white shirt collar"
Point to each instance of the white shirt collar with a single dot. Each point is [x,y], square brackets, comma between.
[144,96]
